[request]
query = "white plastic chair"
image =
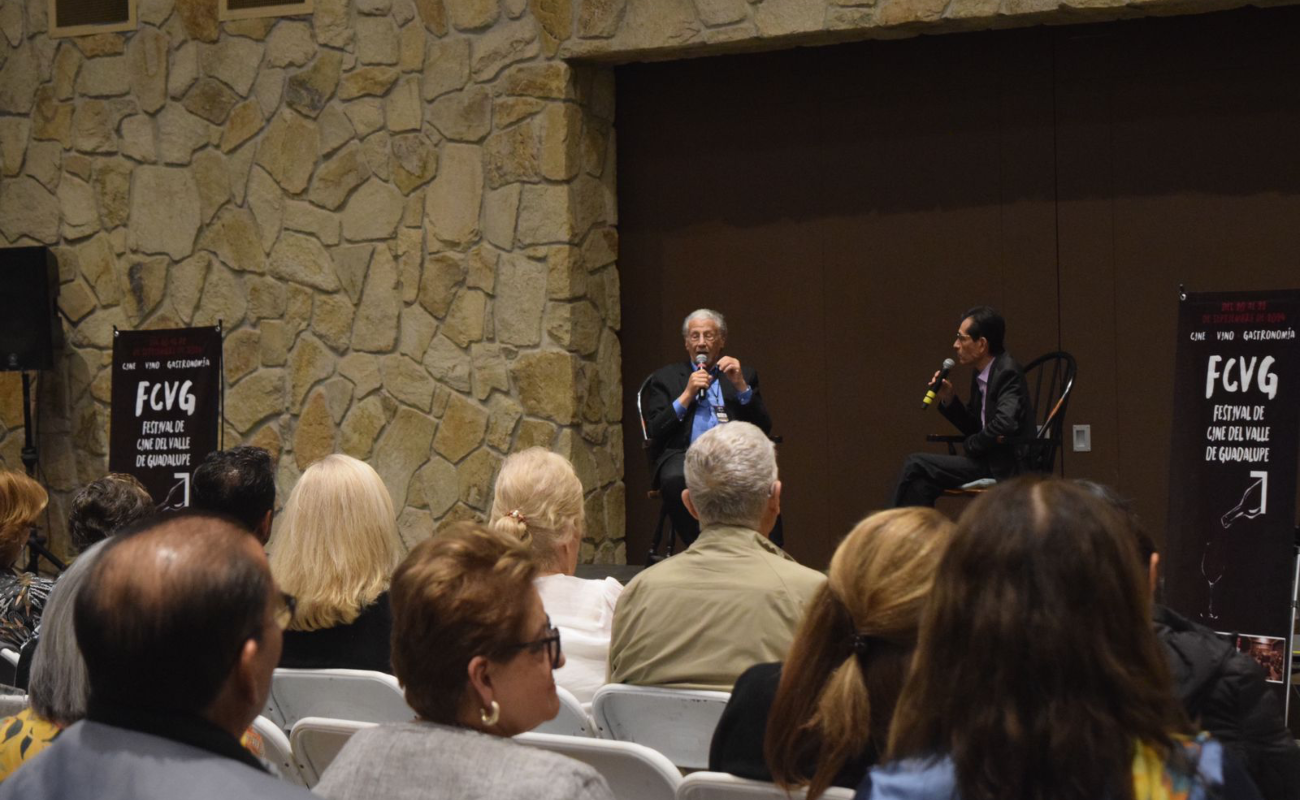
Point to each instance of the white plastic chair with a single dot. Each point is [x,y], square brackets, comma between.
[317,740]
[633,772]
[721,786]
[677,722]
[9,655]
[354,694]
[572,719]
[276,750]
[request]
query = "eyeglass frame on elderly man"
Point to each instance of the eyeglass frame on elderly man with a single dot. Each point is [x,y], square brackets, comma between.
[709,337]
[551,641]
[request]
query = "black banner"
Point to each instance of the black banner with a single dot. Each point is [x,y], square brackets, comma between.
[166,407]
[1232,474]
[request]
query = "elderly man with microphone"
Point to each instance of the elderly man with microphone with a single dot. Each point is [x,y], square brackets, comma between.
[998,409]
[686,398]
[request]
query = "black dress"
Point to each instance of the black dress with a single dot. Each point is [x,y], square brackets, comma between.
[362,644]
[738,740]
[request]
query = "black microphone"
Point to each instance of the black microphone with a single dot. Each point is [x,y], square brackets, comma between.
[703,396]
[948,364]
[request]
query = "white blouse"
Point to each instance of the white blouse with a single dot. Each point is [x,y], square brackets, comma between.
[583,611]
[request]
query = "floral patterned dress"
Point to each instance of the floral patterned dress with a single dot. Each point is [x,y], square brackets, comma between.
[22,599]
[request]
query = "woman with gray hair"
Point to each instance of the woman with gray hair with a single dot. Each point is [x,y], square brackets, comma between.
[58,688]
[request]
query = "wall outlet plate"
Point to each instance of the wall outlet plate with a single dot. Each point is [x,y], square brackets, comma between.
[1082,438]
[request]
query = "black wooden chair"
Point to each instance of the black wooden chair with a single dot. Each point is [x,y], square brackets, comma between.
[1051,380]
[653,492]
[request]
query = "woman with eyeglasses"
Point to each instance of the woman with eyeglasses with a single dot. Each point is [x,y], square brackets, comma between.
[474,651]
[335,550]
[538,500]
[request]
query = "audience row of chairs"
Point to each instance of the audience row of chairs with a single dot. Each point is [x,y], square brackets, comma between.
[640,738]
[676,723]
[633,771]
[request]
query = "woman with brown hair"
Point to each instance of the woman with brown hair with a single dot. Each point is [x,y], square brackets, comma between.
[1037,674]
[831,704]
[474,650]
[22,595]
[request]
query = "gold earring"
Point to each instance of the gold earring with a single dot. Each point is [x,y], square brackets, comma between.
[490,719]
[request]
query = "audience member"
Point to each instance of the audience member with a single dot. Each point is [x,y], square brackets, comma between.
[22,595]
[730,600]
[179,622]
[103,506]
[57,689]
[1037,673]
[475,652]
[239,482]
[538,500]
[98,509]
[1222,689]
[335,551]
[831,705]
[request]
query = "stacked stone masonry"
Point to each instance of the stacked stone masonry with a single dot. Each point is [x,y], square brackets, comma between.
[402,211]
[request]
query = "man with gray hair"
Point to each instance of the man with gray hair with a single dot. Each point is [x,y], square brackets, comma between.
[732,599]
[683,400]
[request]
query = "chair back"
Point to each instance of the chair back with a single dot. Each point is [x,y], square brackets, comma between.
[721,786]
[12,701]
[317,741]
[1051,379]
[572,719]
[677,722]
[640,415]
[356,694]
[632,771]
[272,746]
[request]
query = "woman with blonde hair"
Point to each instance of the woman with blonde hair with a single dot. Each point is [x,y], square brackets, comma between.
[22,595]
[823,719]
[538,500]
[335,551]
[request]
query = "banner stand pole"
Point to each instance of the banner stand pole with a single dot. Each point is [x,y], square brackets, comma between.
[1290,642]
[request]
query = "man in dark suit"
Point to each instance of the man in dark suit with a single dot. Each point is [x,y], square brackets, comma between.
[686,398]
[998,409]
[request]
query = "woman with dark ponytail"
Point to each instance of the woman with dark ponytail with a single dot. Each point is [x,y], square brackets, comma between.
[823,718]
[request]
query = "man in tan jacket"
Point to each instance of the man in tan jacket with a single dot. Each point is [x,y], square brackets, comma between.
[732,599]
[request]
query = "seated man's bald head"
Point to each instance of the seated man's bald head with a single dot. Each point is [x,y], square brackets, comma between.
[167,610]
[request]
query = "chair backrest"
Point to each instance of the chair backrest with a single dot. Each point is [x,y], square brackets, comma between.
[572,719]
[677,722]
[276,750]
[640,415]
[1051,381]
[632,771]
[11,702]
[10,655]
[317,740]
[721,786]
[335,693]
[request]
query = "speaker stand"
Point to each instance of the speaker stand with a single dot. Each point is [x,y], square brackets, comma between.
[35,540]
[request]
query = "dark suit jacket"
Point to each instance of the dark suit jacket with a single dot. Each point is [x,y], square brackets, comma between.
[669,435]
[1008,414]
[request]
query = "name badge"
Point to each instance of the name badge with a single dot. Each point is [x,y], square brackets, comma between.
[721,413]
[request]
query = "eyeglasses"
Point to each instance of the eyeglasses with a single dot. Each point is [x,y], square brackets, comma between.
[550,641]
[705,336]
[284,613]
[962,336]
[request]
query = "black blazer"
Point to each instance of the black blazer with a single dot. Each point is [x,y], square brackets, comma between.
[362,644]
[1009,414]
[669,435]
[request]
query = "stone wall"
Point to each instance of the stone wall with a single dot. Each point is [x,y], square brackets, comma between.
[400,211]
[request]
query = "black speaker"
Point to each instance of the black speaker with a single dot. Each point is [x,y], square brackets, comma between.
[29,321]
